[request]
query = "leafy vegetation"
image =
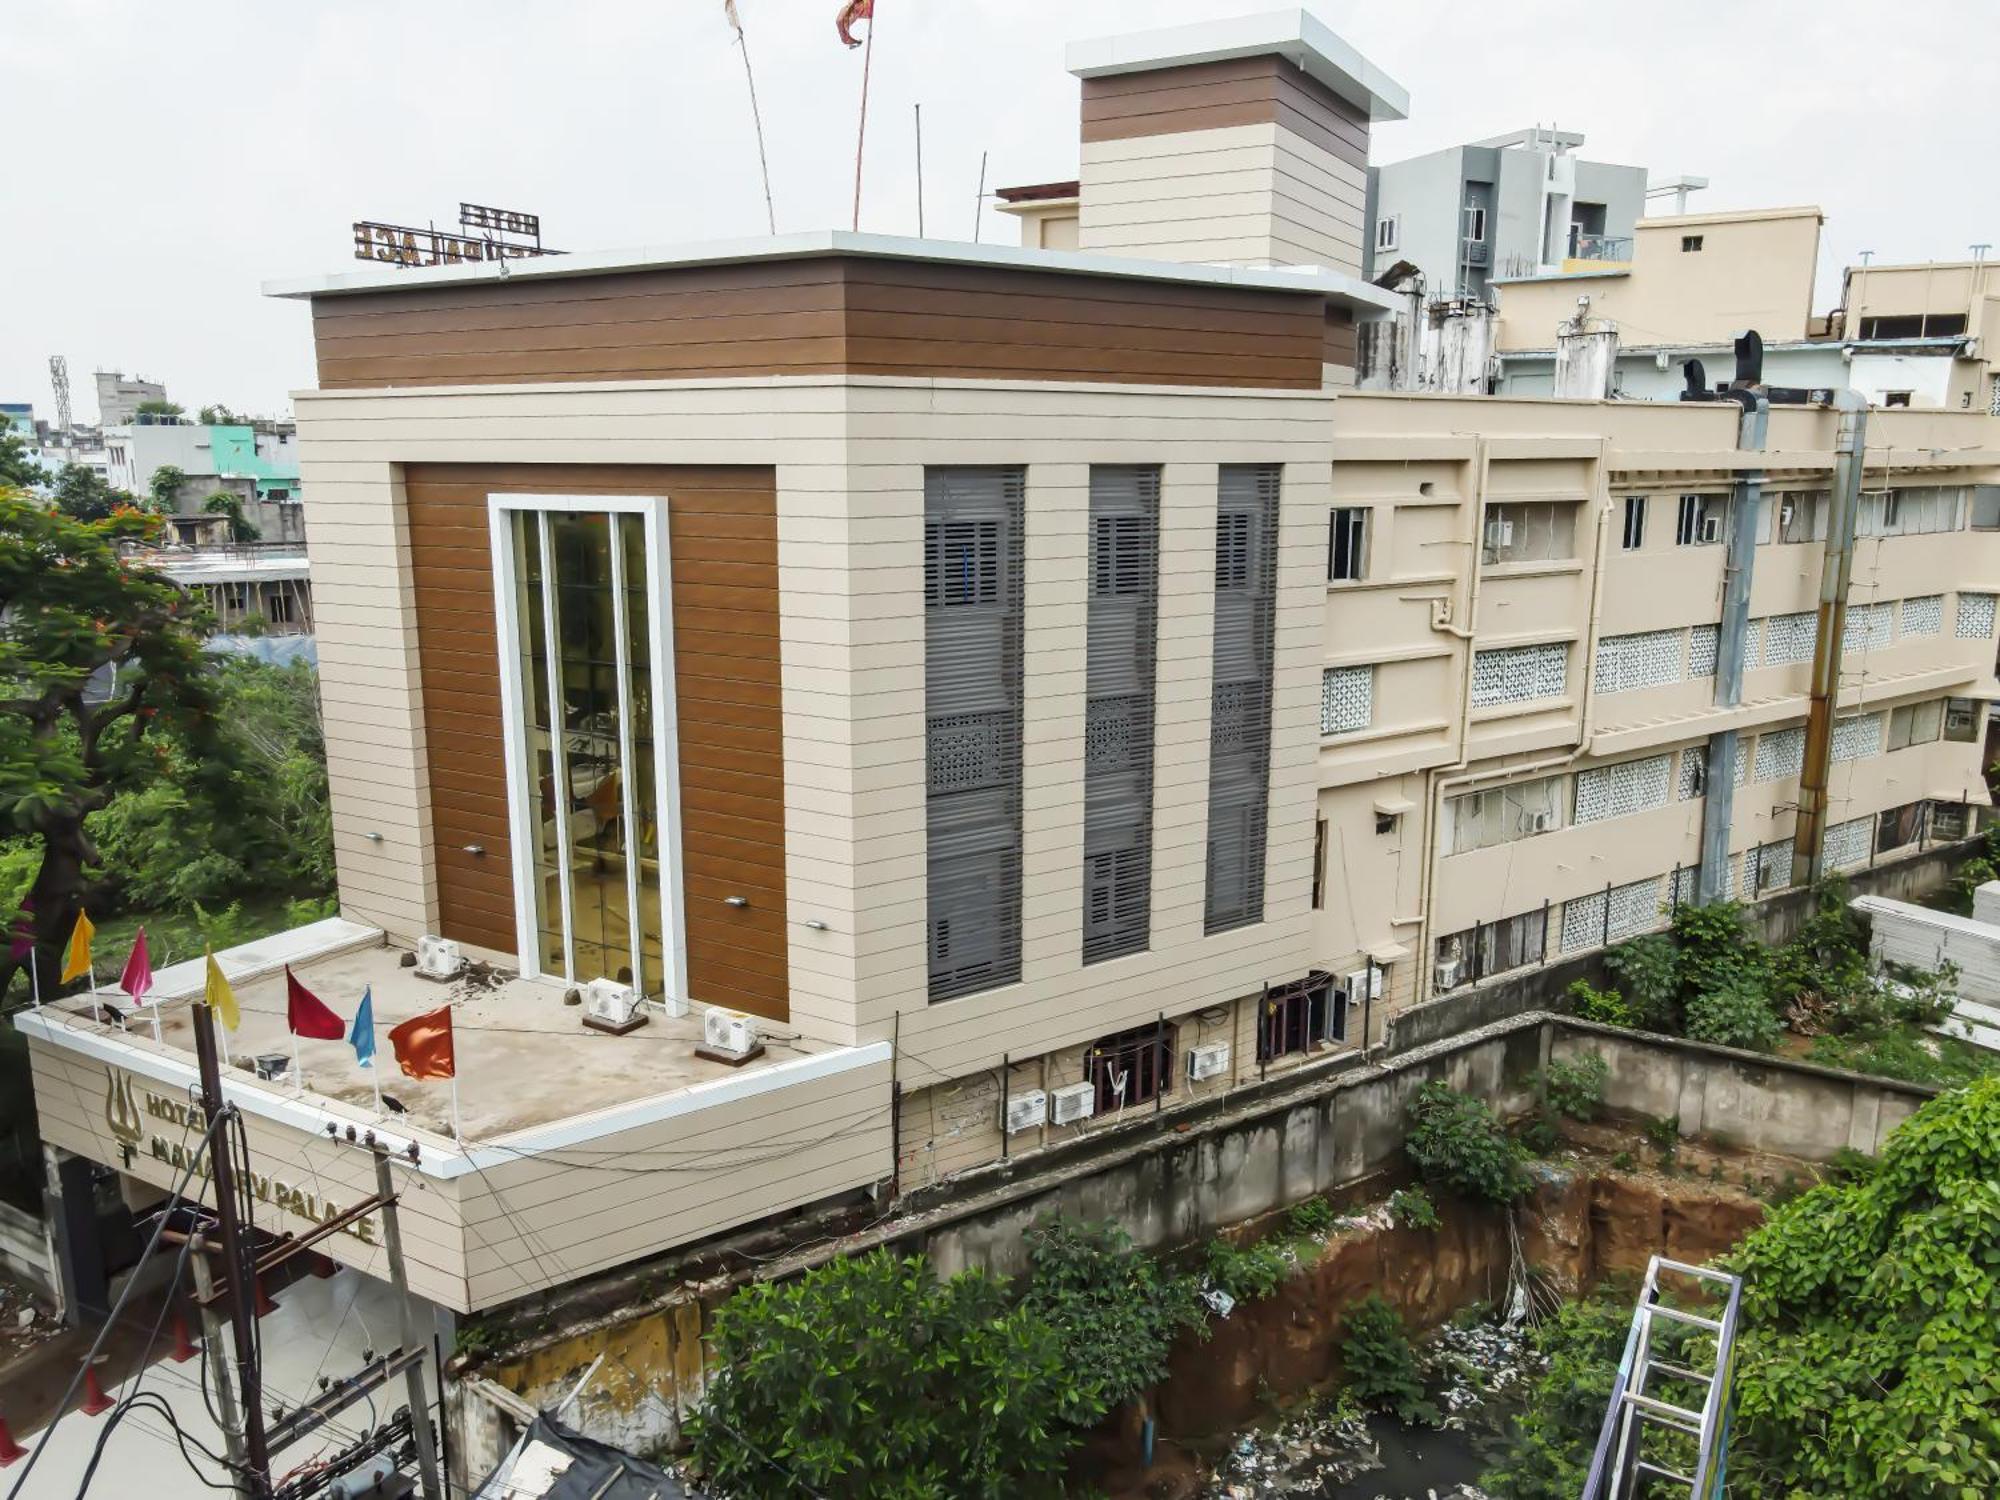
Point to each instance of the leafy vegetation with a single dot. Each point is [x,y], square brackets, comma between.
[1380,1366]
[1575,1086]
[1549,1456]
[1456,1142]
[1606,1006]
[1310,1216]
[1412,1208]
[1247,1273]
[85,495]
[225,503]
[1735,1014]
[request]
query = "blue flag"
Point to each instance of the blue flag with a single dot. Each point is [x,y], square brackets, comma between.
[363,1033]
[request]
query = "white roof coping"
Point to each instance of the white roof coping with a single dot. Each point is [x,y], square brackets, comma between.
[1336,285]
[1297,34]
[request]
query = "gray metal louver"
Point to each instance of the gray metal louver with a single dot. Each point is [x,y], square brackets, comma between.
[972,690]
[1118,722]
[1239,735]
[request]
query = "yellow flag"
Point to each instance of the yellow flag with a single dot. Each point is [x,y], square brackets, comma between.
[220,997]
[76,963]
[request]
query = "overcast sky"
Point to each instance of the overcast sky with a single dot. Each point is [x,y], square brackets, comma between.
[168,157]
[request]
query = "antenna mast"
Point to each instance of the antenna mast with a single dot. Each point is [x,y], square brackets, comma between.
[59,378]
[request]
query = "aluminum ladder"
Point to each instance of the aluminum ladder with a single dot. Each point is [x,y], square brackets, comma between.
[1620,1466]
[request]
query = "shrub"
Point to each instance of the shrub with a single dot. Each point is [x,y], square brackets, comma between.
[1575,1086]
[1314,1216]
[1412,1208]
[1548,1454]
[1248,1275]
[1607,1006]
[1648,971]
[1541,1133]
[1115,1313]
[1381,1367]
[1736,1015]
[1455,1141]
[869,1377]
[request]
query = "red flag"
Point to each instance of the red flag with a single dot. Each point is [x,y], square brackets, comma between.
[138,976]
[306,1014]
[851,12]
[423,1045]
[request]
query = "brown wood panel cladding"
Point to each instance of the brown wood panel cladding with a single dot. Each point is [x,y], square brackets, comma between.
[722,534]
[1341,344]
[1217,95]
[859,315]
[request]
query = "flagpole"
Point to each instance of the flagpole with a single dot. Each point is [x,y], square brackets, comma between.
[756,115]
[298,1072]
[457,1131]
[861,138]
[35,977]
[375,1077]
[157,1036]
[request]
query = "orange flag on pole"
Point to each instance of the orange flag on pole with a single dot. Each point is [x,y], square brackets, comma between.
[423,1045]
[76,963]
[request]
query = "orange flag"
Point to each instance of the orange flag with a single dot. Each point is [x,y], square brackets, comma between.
[851,14]
[423,1045]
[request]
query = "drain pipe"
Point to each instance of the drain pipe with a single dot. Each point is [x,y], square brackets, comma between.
[1718,807]
[1835,573]
[1443,781]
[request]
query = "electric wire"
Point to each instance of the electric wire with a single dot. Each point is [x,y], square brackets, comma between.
[154,1401]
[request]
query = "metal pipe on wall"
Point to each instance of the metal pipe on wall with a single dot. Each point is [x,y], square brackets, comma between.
[1718,807]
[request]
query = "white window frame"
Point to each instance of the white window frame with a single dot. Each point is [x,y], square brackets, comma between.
[1388,229]
[522,832]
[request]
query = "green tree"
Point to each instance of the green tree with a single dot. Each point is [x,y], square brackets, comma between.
[160,411]
[165,486]
[1455,1141]
[869,1379]
[73,609]
[18,469]
[219,415]
[85,495]
[224,503]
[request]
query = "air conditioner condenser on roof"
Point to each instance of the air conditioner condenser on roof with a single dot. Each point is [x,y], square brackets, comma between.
[438,957]
[611,1006]
[731,1036]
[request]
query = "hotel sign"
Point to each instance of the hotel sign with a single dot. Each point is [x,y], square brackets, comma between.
[484,234]
[131,1113]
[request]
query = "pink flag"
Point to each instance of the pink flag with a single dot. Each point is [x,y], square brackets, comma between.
[138,976]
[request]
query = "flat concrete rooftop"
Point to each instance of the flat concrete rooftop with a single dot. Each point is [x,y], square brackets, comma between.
[524,1058]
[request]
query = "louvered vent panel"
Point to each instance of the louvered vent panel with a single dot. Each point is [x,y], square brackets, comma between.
[1858,737]
[1651,658]
[1239,763]
[1518,674]
[1789,638]
[1847,844]
[1870,627]
[1634,908]
[1702,642]
[1118,713]
[1767,868]
[1629,787]
[1975,617]
[1781,753]
[1924,615]
[972,687]
[1346,699]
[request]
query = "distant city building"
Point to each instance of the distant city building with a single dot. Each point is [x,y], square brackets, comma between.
[19,417]
[1930,334]
[260,589]
[119,399]
[257,463]
[1520,204]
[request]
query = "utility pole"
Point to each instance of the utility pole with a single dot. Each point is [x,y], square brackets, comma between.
[225,1389]
[235,1260]
[1836,571]
[399,1278]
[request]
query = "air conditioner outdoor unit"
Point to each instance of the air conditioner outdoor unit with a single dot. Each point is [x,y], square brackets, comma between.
[611,1006]
[1711,528]
[1366,982]
[1072,1102]
[438,958]
[1446,975]
[1541,822]
[1026,1111]
[731,1033]
[1499,533]
[1209,1060]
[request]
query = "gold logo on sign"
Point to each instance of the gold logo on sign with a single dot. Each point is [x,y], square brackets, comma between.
[121,1114]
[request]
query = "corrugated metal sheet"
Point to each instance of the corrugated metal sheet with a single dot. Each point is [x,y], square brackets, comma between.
[972,687]
[1239,725]
[1118,724]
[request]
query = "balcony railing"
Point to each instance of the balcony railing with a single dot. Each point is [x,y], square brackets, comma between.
[1616,247]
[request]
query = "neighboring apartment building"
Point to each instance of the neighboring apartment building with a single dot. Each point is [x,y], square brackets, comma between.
[1026,679]
[119,399]
[258,463]
[1926,335]
[1520,204]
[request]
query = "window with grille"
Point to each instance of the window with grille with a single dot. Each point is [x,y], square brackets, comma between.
[1292,1018]
[1606,917]
[1634,534]
[1802,516]
[1767,868]
[1961,719]
[1703,642]
[1947,820]
[1519,674]
[1857,737]
[1698,522]
[1848,843]
[1118,711]
[1651,658]
[1346,699]
[1913,510]
[1502,814]
[1923,615]
[1916,724]
[1975,617]
[1870,627]
[1491,948]
[1789,638]
[1781,753]
[1628,787]
[972,689]
[1239,734]
[1131,1067]
[1528,531]
[1347,544]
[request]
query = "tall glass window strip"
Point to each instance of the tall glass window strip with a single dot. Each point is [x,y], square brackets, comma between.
[1346,699]
[1519,674]
[972,737]
[1975,617]
[1347,545]
[1118,712]
[588,793]
[1634,535]
[1502,814]
[1239,724]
